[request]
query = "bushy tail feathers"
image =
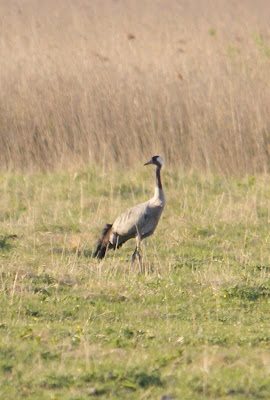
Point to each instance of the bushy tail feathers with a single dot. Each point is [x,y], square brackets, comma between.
[103,244]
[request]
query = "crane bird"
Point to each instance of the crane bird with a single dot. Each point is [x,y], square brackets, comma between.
[138,222]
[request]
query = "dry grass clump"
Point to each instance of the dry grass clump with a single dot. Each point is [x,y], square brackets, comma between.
[111,82]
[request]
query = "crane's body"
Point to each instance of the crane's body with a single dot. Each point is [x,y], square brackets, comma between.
[141,219]
[138,222]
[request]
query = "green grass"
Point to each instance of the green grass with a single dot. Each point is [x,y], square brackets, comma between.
[195,326]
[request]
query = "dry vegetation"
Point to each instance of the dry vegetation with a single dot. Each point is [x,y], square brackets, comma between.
[114,81]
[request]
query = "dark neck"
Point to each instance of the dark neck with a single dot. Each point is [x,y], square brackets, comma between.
[158,180]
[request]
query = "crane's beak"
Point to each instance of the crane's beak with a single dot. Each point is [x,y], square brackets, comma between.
[149,162]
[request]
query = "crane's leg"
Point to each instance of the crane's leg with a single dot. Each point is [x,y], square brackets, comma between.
[137,255]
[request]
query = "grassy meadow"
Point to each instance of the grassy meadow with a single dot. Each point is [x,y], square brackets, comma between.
[90,90]
[195,326]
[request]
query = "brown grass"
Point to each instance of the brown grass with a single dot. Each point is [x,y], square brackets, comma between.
[114,81]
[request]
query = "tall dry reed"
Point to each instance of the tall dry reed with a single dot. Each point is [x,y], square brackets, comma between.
[113,82]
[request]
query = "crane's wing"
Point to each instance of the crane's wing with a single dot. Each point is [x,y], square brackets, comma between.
[130,221]
[141,219]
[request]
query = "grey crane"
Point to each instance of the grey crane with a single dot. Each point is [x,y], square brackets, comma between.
[138,222]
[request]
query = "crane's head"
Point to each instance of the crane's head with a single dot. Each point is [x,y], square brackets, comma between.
[157,160]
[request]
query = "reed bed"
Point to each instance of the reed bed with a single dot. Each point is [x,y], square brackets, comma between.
[112,82]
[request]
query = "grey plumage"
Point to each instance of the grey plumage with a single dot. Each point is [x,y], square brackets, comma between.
[138,222]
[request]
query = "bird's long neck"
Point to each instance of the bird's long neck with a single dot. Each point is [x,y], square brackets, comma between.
[158,195]
[158,179]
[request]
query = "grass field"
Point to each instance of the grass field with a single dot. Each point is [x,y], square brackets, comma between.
[196,326]
[90,90]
